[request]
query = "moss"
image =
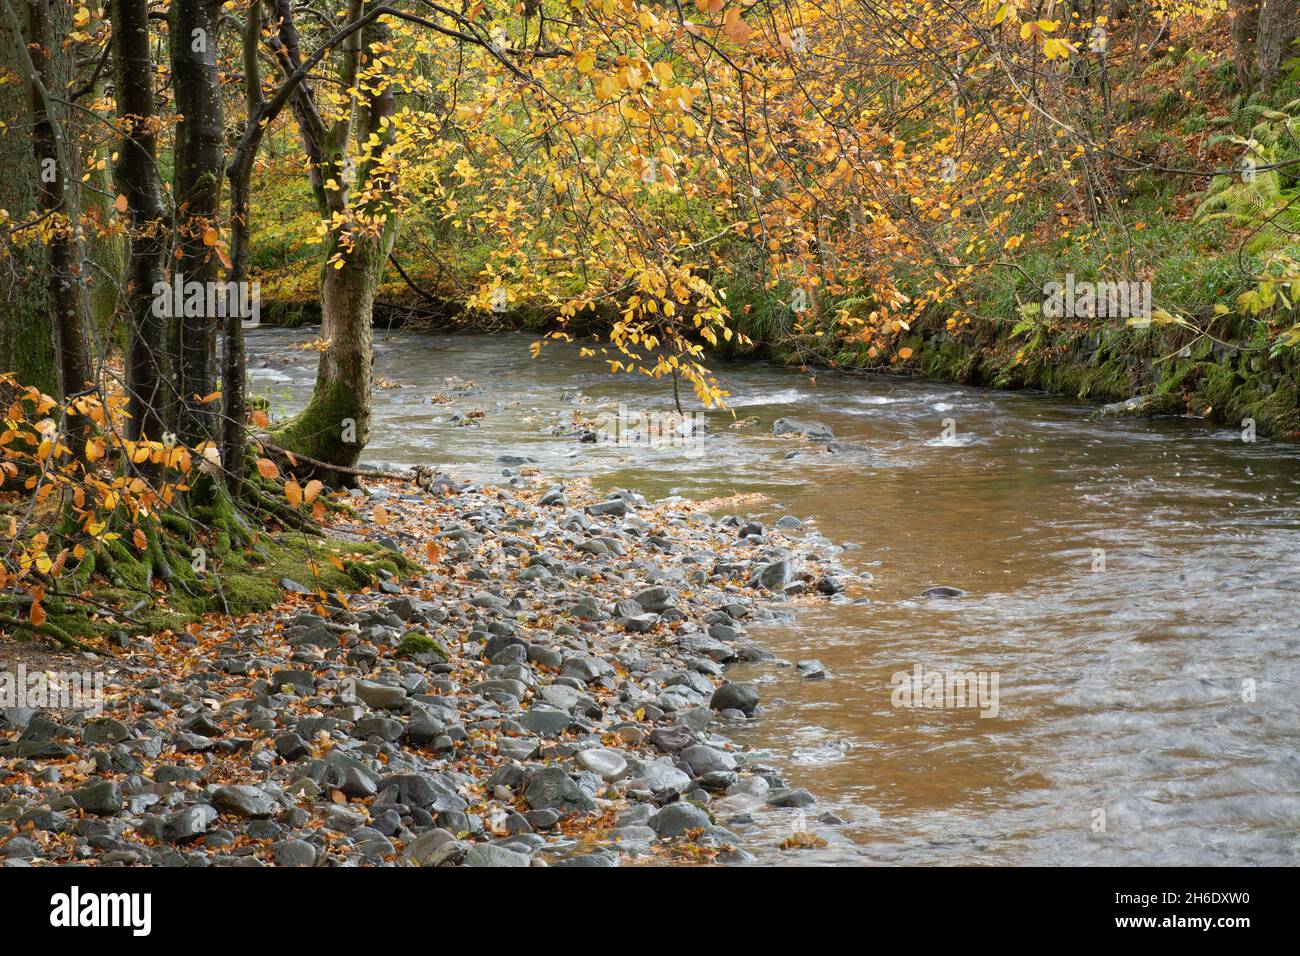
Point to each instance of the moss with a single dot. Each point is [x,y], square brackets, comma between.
[241,581]
[317,431]
[417,642]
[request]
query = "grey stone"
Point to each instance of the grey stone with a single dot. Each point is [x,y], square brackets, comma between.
[102,798]
[382,696]
[486,854]
[677,818]
[703,759]
[942,591]
[811,669]
[293,853]
[244,801]
[607,764]
[741,697]
[552,789]
[660,775]
[546,721]
[786,797]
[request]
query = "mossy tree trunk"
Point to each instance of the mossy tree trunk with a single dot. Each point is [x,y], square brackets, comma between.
[335,425]
[47,71]
[26,337]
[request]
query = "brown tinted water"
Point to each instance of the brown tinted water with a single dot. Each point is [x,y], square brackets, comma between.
[1124,690]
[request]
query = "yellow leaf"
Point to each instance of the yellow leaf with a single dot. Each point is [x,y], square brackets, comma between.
[293,491]
[314,488]
[586,62]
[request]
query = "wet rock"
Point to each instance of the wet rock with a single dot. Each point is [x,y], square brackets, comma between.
[813,431]
[486,854]
[786,797]
[599,857]
[811,669]
[942,591]
[1144,406]
[741,697]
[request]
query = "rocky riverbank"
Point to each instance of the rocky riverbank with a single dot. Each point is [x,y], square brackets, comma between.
[552,691]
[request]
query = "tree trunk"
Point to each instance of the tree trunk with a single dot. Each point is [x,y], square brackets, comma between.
[233,362]
[1279,24]
[57,195]
[26,336]
[335,425]
[137,178]
[1245,23]
[200,158]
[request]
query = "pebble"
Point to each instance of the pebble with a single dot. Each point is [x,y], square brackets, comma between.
[579,668]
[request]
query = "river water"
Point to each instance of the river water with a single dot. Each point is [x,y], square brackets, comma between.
[1134,587]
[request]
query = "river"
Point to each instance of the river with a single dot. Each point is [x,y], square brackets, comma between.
[1134,587]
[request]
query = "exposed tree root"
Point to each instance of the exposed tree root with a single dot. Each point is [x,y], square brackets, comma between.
[52,631]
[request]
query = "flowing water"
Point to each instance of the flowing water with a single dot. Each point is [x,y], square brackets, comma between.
[1133,587]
